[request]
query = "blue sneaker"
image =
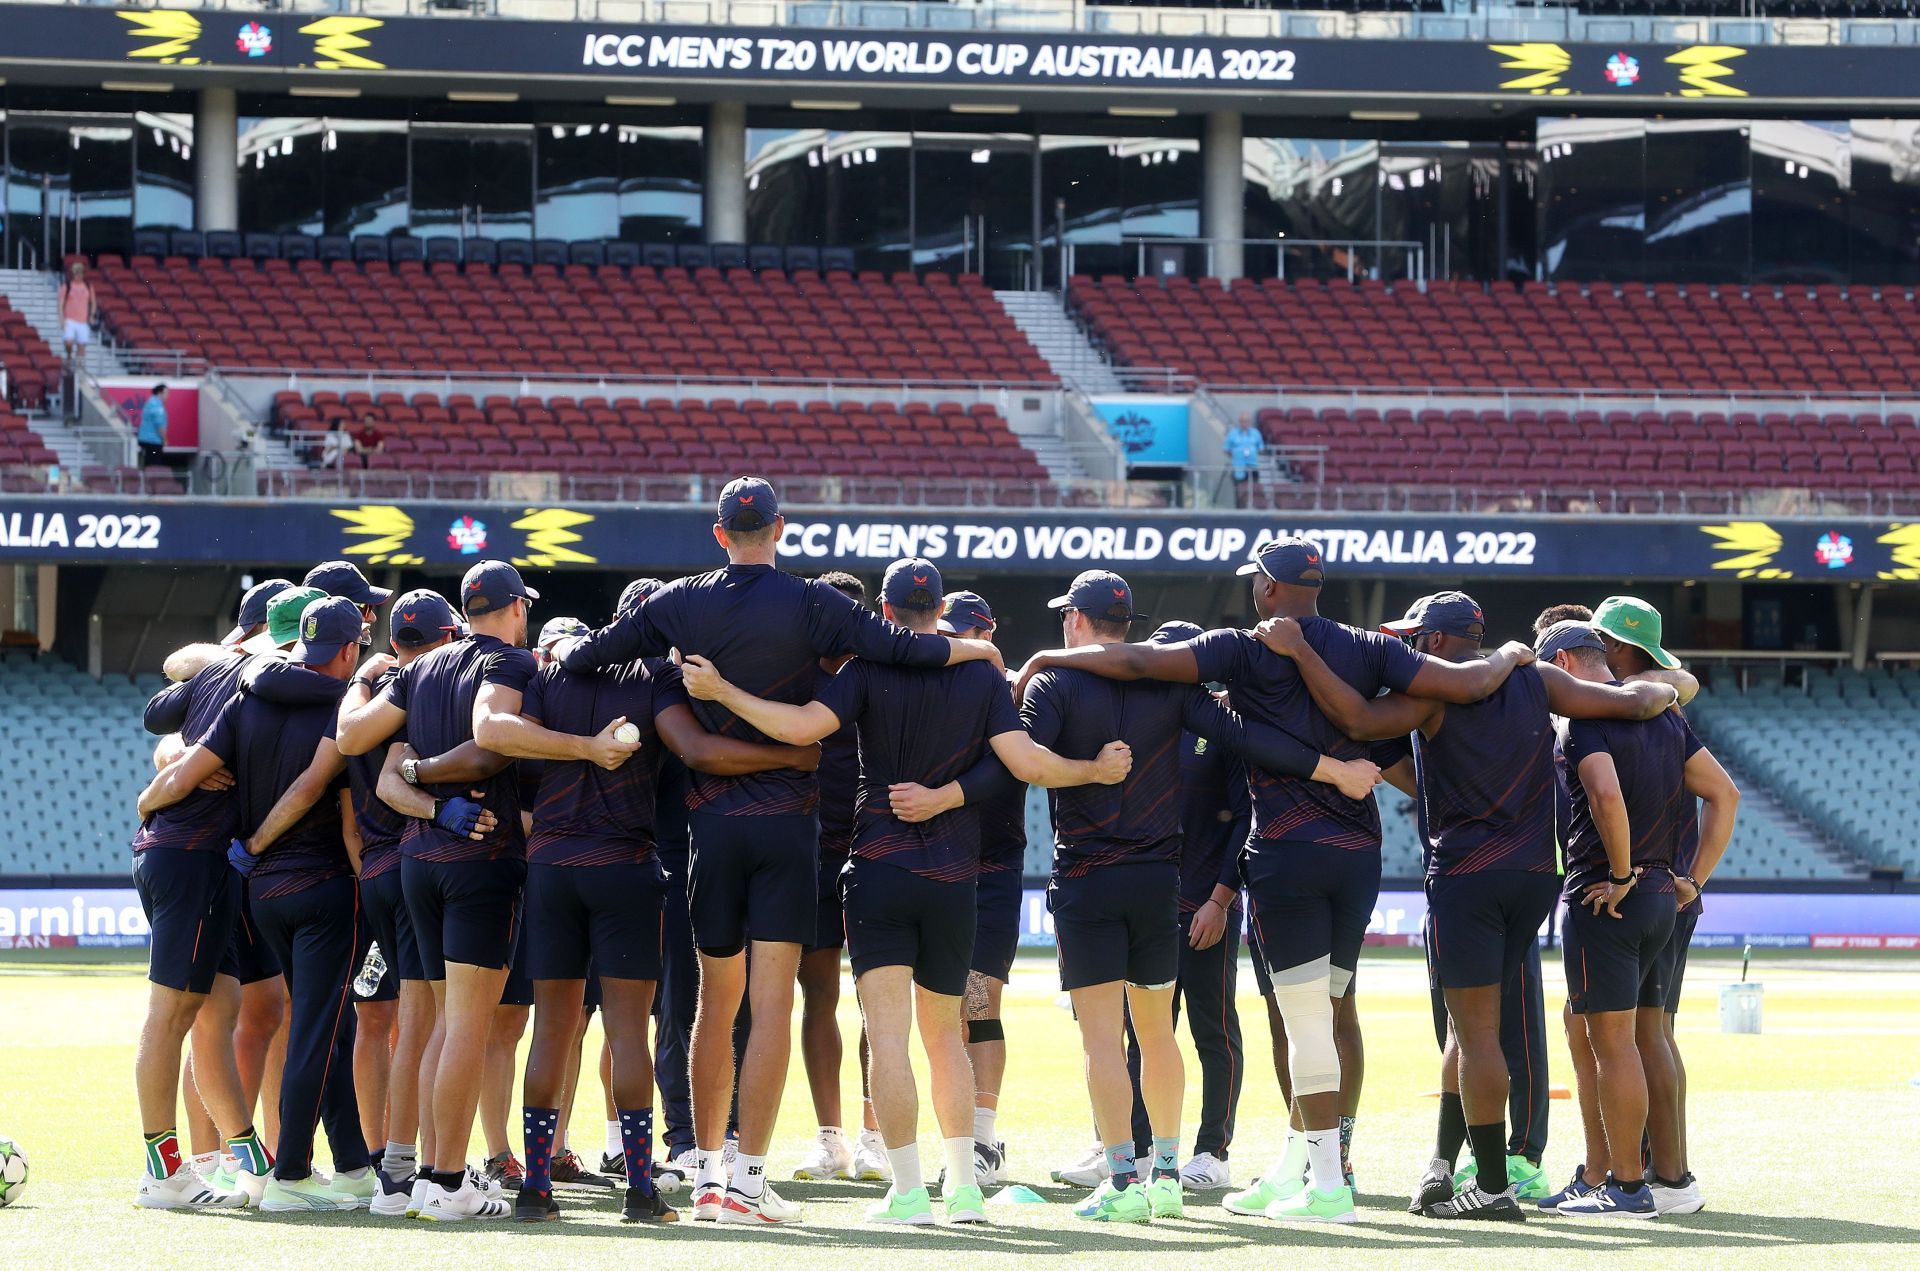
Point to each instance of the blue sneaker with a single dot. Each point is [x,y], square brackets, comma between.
[1572,1191]
[1610,1200]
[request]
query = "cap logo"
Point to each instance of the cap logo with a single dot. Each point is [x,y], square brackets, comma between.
[406,617]
[474,585]
[745,498]
[1631,622]
[920,578]
[1119,593]
[312,626]
[1312,559]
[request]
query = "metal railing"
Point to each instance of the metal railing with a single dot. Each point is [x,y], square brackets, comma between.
[1351,248]
[1354,397]
[529,383]
[1498,22]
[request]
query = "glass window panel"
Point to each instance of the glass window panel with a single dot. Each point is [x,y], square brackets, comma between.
[1883,219]
[1699,203]
[365,162]
[102,184]
[578,195]
[163,171]
[1592,198]
[1801,170]
[39,159]
[662,183]
[836,189]
[1080,192]
[1305,188]
[282,175]
[966,186]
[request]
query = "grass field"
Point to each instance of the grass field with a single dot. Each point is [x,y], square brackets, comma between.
[1804,1138]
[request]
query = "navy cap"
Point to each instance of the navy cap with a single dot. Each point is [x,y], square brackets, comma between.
[748,503]
[326,627]
[420,617]
[635,592]
[1453,613]
[342,578]
[1176,631]
[554,630]
[1100,594]
[966,611]
[1562,636]
[913,583]
[491,586]
[253,608]
[1287,560]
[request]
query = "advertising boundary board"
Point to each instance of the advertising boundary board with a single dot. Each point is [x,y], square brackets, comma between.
[60,529]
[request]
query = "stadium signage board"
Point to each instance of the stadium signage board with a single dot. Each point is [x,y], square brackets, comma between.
[367,49]
[62,528]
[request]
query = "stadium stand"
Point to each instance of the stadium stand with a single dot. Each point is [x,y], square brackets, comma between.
[31,367]
[1836,749]
[576,318]
[80,760]
[1825,339]
[1579,449]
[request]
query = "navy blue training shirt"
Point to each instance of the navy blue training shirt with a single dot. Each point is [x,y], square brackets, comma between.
[1487,782]
[1267,688]
[438,690]
[839,780]
[764,630]
[1074,713]
[1215,816]
[926,726]
[380,826]
[267,746]
[1650,757]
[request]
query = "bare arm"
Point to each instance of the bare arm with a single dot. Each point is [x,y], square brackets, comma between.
[499,726]
[365,720]
[1465,682]
[1034,764]
[1361,718]
[1575,698]
[726,756]
[469,761]
[1174,663]
[1400,777]
[298,799]
[782,721]
[184,664]
[179,780]
[1709,782]
[1681,681]
[350,831]
[412,801]
[1601,780]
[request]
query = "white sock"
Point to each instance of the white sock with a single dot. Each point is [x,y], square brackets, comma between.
[906,1167]
[616,1146]
[983,1119]
[872,1139]
[959,1164]
[750,1174]
[709,1168]
[832,1131]
[1323,1154]
[1293,1159]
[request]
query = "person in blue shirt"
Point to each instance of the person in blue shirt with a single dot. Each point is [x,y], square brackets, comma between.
[152,436]
[1243,452]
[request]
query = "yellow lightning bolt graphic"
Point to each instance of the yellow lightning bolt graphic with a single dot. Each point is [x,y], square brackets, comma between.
[1757,544]
[1548,62]
[549,531]
[335,39]
[387,530]
[176,31]
[1703,66]
[1905,541]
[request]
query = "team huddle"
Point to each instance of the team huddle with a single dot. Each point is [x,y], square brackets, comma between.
[366,874]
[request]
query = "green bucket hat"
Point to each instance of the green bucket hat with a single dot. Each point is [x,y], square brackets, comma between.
[283,619]
[1631,620]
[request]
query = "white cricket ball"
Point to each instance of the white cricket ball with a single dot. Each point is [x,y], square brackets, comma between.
[627,733]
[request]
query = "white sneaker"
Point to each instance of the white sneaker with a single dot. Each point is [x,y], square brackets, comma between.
[673,1177]
[1089,1171]
[184,1189]
[1684,1199]
[765,1210]
[989,1164]
[417,1198]
[707,1199]
[488,1187]
[469,1202]
[870,1159]
[391,1199]
[205,1164]
[830,1158]
[1205,1173]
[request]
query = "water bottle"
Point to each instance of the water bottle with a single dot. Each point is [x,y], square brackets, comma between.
[367,983]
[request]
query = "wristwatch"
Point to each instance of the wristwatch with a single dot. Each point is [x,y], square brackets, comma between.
[410,771]
[363,680]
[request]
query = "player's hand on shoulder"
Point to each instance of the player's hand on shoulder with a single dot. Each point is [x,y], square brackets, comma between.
[1282,635]
[701,678]
[1356,778]
[608,750]
[1518,651]
[377,665]
[1113,763]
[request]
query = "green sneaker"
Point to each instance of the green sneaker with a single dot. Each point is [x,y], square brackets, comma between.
[1316,1206]
[1529,1180]
[906,1209]
[1111,1204]
[1464,1175]
[1165,1196]
[965,1204]
[308,1195]
[1255,1201]
[355,1193]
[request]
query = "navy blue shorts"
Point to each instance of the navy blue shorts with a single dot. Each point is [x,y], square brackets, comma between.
[757,874]
[1614,964]
[895,917]
[463,911]
[587,919]
[830,917]
[190,899]
[249,958]
[1673,960]
[1479,926]
[1309,901]
[383,902]
[1118,922]
[996,922]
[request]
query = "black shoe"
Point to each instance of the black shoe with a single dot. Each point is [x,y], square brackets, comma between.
[1474,1205]
[535,1206]
[506,1170]
[647,1206]
[568,1169]
[1436,1187]
[613,1165]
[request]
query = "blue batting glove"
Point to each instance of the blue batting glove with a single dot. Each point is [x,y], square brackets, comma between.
[457,816]
[240,858]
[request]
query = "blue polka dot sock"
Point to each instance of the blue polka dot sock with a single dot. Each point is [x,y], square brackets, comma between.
[537,1126]
[636,1140]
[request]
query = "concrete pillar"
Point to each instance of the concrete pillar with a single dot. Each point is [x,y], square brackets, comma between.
[724,197]
[1223,207]
[216,160]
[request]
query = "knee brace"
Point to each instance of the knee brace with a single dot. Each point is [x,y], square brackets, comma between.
[1301,993]
[1340,981]
[985,1030]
